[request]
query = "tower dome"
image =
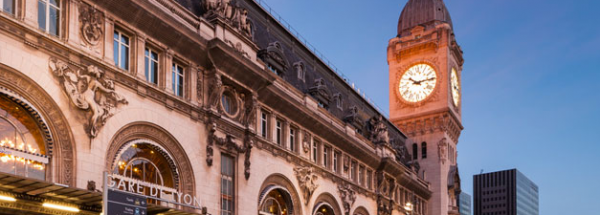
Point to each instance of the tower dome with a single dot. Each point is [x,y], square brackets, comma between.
[423,12]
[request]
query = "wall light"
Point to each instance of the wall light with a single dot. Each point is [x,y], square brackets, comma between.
[61,207]
[7,198]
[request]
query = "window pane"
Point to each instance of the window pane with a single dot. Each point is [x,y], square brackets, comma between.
[147,69]
[116,48]
[54,21]
[154,70]
[42,15]
[55,3]
[125,40]
[8,6]
[125,58]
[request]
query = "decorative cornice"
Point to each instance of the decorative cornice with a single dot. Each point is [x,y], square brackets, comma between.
[438,122]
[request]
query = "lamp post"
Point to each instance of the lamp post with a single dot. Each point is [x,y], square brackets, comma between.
[408,208]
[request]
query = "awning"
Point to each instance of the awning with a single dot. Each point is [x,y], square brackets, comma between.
[31,193]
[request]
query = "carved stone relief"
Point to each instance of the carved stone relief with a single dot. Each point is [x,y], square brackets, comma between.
[92,22]
[307,180]
[250,108]
[216,89]
[234,15]
[90,91]
[229,144]
[348,196]
[306,142]
[442,150]
[378,130]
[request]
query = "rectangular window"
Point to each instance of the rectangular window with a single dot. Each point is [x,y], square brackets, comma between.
[369,179]
[336,162]
[177,80]
[263,124]
[227,184]
[353,171]
[121,50]
[361,175]
[278,132]
[326,156]
[151,65]
[292,140]
[49,16]
[314,151]
[8,6]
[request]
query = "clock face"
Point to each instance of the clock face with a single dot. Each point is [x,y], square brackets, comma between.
[417,83]
[455,84]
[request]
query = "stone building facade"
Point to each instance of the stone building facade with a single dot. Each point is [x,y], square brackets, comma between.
[212,101]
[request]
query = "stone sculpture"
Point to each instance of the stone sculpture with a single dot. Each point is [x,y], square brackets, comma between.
[88,90]
[307,180]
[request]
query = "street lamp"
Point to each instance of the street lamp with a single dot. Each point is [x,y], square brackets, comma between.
[408,208]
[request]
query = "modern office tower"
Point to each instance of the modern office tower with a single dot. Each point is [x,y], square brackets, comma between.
[464,204]
[507,192]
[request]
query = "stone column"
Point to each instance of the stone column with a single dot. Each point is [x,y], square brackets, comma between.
[168,83]
[140,46]
[109,28]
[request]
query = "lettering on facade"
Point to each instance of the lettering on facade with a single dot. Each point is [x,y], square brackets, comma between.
[153,191]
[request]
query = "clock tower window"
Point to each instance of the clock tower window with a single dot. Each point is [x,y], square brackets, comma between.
[424,150]
[415,151]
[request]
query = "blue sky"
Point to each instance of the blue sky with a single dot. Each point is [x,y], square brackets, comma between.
[531,90]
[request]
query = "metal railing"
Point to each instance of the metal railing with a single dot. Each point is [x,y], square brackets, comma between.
[316,52]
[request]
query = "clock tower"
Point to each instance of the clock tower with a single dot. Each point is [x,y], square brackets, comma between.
[425,65]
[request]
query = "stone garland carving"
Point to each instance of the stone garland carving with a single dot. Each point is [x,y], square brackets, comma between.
[442,150]
[234,15]
[379,131]
[216,89]
[348,196]
[307,179]
[229,143]
[92,21]
[88,90]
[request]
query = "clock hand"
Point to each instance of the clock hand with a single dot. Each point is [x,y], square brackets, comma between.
[415,82]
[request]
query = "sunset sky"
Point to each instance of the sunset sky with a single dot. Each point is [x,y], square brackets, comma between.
[531,83]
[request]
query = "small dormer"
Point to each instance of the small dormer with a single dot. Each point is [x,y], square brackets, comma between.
[321,92]
[274,58]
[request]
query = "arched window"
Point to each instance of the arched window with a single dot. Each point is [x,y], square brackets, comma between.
[324,209]
[276,202]
[146,162]
[424,150]
[415,151]
[22,147]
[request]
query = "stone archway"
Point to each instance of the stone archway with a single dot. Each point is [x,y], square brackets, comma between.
[280,182]
[328,200]
[360,211]
[62,142]
[145,130]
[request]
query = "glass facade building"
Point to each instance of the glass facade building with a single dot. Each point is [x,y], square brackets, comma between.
[464,204]
[507,192]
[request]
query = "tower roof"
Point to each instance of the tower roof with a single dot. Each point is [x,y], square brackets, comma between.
[423,12]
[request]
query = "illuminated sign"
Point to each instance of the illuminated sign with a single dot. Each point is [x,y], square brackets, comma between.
[151,191]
